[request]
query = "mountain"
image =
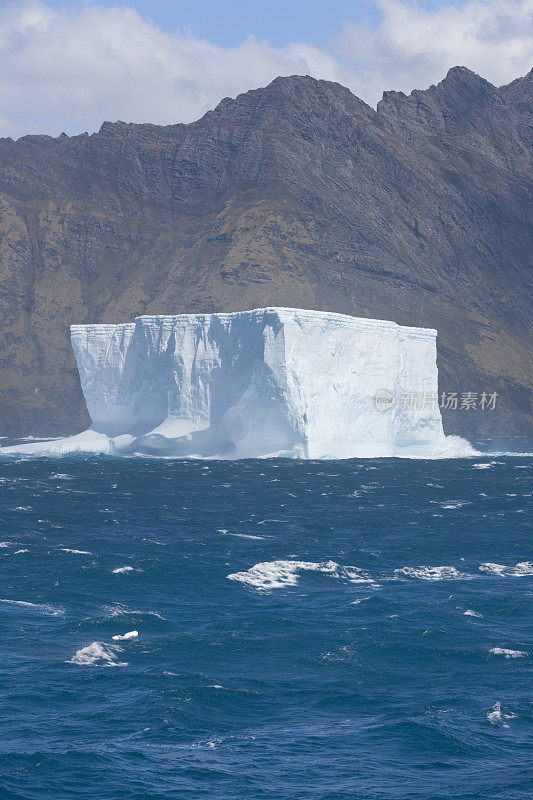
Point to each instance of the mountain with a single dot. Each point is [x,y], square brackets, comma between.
[297,194]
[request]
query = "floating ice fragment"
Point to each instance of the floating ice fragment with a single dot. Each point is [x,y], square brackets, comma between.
[124,636]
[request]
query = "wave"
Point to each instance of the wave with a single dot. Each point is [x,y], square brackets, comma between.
[504,651]
[269,575]
[520,570]
[361,600]
[445,573]
[91,442]
[41,608]
[119,610]
[497,717]
[97,654]
[281,573]
[100,445]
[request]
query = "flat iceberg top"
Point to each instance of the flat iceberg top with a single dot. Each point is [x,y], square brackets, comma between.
[298,316]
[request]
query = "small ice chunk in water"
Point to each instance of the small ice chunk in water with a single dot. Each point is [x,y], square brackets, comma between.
[122,637]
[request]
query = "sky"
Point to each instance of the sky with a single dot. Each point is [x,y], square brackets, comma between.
[68,65]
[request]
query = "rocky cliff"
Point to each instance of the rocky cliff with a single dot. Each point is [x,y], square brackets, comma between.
[298,194]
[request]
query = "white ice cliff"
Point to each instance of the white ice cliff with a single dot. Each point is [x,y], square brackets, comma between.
[267,382]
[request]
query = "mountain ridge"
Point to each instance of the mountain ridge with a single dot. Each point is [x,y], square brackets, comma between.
[294,194]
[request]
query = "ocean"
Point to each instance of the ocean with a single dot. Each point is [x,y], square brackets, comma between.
[265,629]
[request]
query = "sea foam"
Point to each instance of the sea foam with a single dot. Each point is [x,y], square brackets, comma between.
[445,573]
[497,717]
[97,654]
[278,574]
[504,651]
[518,571]
[40,608]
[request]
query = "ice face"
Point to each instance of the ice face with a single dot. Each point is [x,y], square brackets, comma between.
[267,382]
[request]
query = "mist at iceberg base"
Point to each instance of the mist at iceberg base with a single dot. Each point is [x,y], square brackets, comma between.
[271,382]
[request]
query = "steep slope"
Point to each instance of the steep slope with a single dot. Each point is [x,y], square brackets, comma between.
[297,194]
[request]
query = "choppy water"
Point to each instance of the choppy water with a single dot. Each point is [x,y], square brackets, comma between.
[304,630]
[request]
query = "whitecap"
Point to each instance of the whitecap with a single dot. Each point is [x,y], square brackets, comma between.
[518,571]
[118,610]
[269,575]
[76,552]
[97,654]
[124,636]
[5,544]
[458,504]
[121,570]
[497,717]
[41,608]
[470,613]
[243,535]
[444,573]
[356,575]
[504,651]
[486,465]
[360,600]
[22,550]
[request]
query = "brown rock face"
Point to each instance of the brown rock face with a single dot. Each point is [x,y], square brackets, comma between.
[298,194]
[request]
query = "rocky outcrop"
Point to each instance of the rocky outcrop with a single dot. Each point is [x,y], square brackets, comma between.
[298,194]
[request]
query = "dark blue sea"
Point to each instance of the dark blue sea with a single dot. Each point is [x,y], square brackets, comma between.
[290,630]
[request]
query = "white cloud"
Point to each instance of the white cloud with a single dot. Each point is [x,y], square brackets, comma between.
[415,46]
[70,70]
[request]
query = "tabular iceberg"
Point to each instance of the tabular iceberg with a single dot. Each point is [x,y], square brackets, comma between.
[251,384]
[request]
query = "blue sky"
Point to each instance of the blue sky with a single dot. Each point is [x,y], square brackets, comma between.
[68,65]
[276,21]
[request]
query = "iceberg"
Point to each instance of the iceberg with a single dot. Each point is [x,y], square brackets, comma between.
[254,384]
